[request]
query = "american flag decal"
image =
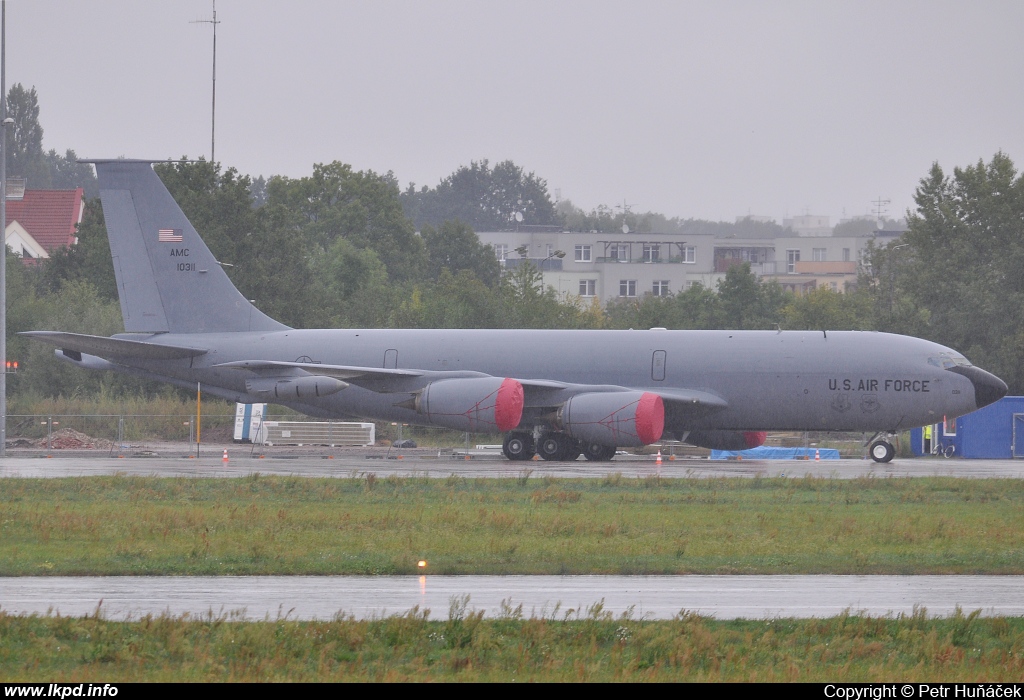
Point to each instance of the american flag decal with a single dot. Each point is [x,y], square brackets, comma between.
[170,235]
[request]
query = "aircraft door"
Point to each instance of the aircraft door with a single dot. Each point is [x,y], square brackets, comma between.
[390,359]
[658,366]
[1018,434]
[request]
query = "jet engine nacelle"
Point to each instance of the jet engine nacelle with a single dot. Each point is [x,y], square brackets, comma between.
[294,387]
[726,439]
[473,404]
[621,418]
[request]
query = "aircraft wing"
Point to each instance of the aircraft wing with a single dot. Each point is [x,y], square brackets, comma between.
[316,368]
[101,346]
[690,402]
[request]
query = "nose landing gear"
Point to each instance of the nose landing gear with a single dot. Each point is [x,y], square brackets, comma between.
[882,451]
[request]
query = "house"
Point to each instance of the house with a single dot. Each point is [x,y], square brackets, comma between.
[42,221]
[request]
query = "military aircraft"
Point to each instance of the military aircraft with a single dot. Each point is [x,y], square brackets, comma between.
[558,393]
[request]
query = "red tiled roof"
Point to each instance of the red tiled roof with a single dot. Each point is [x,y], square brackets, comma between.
[50,216]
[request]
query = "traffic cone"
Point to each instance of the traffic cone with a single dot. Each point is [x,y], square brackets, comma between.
[657,460]
[225,457]
[817,456]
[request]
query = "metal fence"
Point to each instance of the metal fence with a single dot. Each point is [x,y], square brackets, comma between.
[104,431]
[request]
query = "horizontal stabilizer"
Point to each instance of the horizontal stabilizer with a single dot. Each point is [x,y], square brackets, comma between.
[113,347]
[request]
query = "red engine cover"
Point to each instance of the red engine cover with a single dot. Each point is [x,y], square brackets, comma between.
[616,419]
[478,404]
[754,439]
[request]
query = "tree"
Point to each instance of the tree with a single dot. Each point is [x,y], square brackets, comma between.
[217,203]
[351,288]
[828,310]
[747,302]
[526,303]
[485,199]
[66,173]
[454,247]
[964,263]
[25,138]
[361,207]
[88,260]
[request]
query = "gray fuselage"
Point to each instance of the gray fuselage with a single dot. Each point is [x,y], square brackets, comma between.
[771,380]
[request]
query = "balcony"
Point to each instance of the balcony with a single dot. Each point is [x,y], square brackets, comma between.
[641,261]
[542,264]
[809,267]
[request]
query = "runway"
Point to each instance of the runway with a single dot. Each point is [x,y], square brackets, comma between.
[556,597]
[356,463]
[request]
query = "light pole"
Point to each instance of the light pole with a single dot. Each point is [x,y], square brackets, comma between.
[557,254]
[5,121]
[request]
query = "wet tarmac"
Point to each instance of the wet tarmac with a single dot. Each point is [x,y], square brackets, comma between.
[556,597]
[656,597]
[354,463]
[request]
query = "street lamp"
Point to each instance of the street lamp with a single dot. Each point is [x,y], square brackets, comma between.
[557,254]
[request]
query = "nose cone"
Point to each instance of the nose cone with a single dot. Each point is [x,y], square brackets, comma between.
[988,388]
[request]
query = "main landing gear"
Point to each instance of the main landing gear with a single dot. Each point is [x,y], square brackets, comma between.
[519,446]
[554,447]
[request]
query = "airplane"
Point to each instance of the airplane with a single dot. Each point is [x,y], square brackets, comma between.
[556,393]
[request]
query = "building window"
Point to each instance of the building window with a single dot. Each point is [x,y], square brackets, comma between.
[619,252]
[792,258]
[583,253]
[846,255]
[652,251]
[819,254]
[627,288]
[689,254]
[660,288]
[588,288]
[501,251]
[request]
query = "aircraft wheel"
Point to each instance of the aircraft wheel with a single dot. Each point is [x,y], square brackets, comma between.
[598,453]
[518,446]
[554,447]
[882,451]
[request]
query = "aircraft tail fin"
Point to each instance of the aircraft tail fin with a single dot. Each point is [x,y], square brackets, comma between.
[167,279]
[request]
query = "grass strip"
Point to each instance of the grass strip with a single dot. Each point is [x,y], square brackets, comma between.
[121,525]
[592,646]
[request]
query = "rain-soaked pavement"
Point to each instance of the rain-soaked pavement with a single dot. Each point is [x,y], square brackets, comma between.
[650,597]
[302,597]
[355,462]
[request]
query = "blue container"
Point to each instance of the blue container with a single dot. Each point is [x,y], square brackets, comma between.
[993,432]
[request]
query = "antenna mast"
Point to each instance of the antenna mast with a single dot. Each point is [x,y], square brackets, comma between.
[213,106]
[880,209]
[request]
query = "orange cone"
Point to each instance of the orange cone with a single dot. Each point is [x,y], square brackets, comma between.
[657,460]
[817,456]
[225,458]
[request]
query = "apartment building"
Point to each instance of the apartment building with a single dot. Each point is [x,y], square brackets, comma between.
[614,266]
[609,266]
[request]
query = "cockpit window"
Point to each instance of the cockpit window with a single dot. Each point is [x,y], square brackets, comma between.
[946,361]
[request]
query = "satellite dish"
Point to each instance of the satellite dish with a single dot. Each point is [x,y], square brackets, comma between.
[519,216]
[625,228]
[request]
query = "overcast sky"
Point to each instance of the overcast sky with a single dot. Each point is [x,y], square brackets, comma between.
[694,109]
